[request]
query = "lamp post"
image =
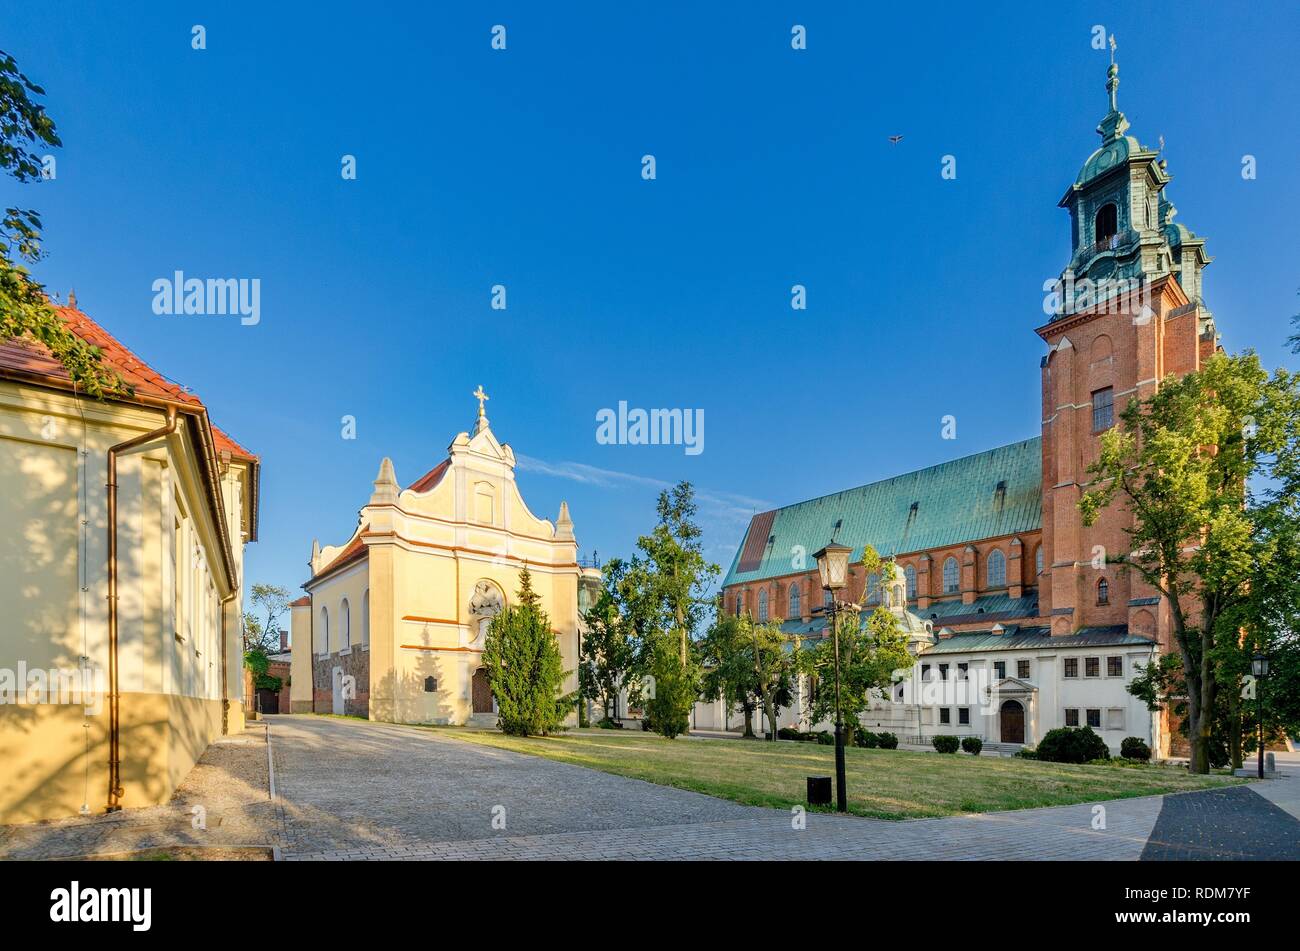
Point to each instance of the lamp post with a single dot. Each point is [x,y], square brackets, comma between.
[833,566]
[1259,667]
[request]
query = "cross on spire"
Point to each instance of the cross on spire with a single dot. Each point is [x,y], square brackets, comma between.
[482,398]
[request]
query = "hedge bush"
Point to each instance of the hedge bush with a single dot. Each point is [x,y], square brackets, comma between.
[945,744]
[1072,745]
[1134,747]
[1026,753]
[972,745]
[866,739]
[888,741]
[826,739]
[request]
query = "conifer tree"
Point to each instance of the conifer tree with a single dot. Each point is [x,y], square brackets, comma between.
[525,668]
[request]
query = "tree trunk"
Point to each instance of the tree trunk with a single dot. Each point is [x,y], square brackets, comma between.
[1234,726]
[749,718]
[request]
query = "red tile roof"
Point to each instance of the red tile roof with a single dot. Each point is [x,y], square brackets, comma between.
[430,478]
[28,356]
[354,551]
[301,602]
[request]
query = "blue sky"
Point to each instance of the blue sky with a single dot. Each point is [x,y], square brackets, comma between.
[478,167]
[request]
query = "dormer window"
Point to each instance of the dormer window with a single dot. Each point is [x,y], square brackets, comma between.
[1106,224]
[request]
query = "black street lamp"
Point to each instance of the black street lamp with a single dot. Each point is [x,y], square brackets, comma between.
[1259,667]
[833,566]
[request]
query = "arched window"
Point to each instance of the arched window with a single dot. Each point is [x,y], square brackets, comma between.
[345,625]
[323,635]
[740,603]
[794,601]
[873,588]
[997,569]
[1038,559]
[950,576]
[365,618]
[1103,591]
[1106,224]
[762,606]
[909,573]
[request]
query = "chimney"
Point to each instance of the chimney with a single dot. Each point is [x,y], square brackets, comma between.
[284,641]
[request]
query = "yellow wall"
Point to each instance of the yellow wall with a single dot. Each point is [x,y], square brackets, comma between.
[53,506]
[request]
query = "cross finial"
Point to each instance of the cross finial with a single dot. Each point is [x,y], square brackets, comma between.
[482,398]
[1112,49]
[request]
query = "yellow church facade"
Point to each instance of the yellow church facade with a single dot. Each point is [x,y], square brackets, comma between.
[393,623]
[121,563]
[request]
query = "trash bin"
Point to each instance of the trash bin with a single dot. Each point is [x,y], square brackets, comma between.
[819,790]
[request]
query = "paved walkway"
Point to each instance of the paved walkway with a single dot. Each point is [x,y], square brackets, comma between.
[349,790]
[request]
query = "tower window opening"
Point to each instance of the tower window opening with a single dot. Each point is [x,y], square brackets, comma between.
[1106,224]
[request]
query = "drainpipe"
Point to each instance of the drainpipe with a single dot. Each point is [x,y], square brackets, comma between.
[114,713]
[225,649]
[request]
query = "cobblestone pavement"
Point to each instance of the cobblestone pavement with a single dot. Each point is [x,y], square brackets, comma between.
[1223,824]
[223,802]
[354,790]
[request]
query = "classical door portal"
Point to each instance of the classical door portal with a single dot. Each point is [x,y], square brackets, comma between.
[481,691]
[1013,722]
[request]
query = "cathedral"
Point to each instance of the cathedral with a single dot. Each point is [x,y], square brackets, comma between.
[1022,618]
[393,622]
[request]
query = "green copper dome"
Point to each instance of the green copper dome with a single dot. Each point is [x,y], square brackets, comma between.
[1112,153]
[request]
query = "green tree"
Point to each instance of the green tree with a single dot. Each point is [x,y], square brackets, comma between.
[606,653]
[25,311]
[263,632]
[663,597]
[870,655]
[669,688]
[745,664]
[525,667]
[1180,462]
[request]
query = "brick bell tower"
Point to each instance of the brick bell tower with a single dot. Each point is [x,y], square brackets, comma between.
[1125,313]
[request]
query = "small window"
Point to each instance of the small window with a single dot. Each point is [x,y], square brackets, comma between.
[430,684]
[997,569]
[1114,666]
[827,598]
[1038,560]
[1092,667]
[1094,719]
[1103,591]
[950,576]
[1106,223]
[1071,716]
[762,606]
[1115,718]
[740,603]
[794,601]
[1000,669]
[963,715]
[943,671]
[945,715]
[909,573]
[1103,410]
[962,671]
[873,588]
[925,672]
[1022,669]
[1071,667]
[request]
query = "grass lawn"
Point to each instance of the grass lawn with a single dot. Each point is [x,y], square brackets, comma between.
[886,784]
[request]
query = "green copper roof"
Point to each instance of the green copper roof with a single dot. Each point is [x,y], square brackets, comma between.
[998,492]
[1038,638]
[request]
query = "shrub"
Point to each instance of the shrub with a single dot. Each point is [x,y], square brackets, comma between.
[866,739]
[826,739]
[1026,753]
[972,745]
[945,744]
[608,724]
[525,667]
[788,733]
[1072,745]
[1134,747]
[888,741]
